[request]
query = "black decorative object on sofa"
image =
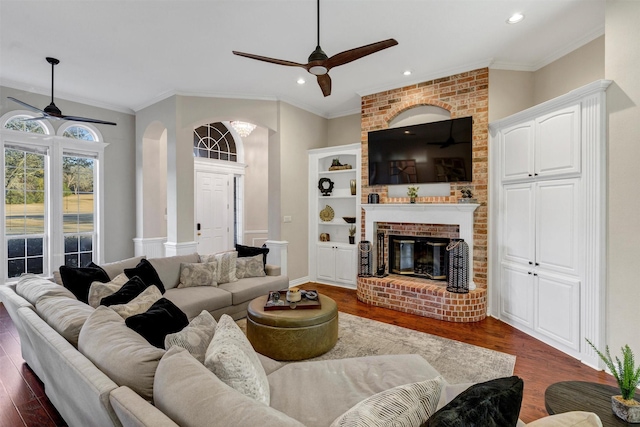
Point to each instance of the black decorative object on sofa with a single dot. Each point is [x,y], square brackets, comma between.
[134,287]
[145,271]
[162,318]
[248,251]
[79,280]
[492,403]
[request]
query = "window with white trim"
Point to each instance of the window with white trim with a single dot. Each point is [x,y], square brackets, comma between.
[214,141]
[51,187]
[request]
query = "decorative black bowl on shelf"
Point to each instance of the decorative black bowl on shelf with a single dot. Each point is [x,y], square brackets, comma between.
[349,219]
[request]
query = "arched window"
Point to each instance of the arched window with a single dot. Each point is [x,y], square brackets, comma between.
[20,124]
[214,141]
[80,132]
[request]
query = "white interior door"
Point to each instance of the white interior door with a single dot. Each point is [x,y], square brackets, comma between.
[214,219]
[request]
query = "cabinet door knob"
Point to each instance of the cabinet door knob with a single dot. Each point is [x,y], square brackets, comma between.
[535,274]
[528,272]
[537,264]
[530,263]
[530,175]
[535,174]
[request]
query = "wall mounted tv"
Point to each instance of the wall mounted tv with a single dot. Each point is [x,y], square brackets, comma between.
[424,153]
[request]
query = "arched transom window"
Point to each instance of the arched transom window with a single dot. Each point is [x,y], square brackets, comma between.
[20,124]
[80,132]
[214,141]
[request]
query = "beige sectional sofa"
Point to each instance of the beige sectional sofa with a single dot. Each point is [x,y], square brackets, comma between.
[186,393]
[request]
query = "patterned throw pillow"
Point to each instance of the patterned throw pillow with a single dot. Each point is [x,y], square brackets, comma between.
[405,405]
[198,274]
[226,265]
[139,304]
[99,290]
[231,358]
[195,337]
[250,267]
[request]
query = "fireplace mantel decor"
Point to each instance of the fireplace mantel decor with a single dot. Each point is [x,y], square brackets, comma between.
[426,213]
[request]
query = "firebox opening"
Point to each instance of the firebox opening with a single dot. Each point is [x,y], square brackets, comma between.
[425,257]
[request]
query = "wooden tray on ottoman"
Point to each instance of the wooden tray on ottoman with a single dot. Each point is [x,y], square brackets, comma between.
[303,304]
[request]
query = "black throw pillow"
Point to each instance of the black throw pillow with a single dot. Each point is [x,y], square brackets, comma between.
[145,271]
[162,318]
[126,293]
[494,403]
[247,251]
[79,279]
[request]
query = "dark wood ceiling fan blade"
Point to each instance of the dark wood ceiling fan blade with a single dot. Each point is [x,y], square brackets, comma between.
[359,52]
[325,84]
[87,120]
[24,104]
[270,60]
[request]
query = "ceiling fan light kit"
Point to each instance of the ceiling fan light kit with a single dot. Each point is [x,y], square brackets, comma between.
[51,111]
[319,63]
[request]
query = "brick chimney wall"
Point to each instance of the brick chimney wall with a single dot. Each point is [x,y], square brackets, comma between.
[464,94]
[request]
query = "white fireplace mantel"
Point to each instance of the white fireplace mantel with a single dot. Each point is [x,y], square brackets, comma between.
[460,214]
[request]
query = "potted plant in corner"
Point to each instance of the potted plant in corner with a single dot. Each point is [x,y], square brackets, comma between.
[412,192]
[352,234]
[627,374]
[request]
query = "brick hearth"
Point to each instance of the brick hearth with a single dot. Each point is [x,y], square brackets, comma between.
[428,298]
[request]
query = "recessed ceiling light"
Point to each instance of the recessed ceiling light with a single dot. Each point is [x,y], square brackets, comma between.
[301,81]
[407,73]
[515,18]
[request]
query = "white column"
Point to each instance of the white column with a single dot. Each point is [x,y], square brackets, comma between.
[278,254]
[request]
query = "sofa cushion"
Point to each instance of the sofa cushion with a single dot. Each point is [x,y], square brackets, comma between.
[114,269]
[65,315]
[145,271]
[568,419]
[404,405]
[193,300]
[99,290]
[250,267]
[79,280]
[198,274]
[496,402]
[134,287]
[249,288]
[195,337]
[231,358]
[32,288]
[250,251]
[226,269]
[168,268]
[121,353]
[162,318]
[340,384]
[194,397]
[139,304]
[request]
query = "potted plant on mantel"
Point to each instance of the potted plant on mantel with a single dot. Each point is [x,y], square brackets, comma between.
[627,374]
[412,192]
[352,234]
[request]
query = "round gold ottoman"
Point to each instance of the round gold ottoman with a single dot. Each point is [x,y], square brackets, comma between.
[293,334]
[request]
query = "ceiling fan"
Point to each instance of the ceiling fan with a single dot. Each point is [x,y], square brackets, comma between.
[450,140]
[319,63]
[53,112]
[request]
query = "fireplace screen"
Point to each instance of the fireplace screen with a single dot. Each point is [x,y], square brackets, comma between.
[419,256]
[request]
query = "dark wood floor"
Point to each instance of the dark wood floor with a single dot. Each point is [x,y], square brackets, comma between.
[23,402]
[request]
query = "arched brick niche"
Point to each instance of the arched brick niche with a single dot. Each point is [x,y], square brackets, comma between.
[464,94]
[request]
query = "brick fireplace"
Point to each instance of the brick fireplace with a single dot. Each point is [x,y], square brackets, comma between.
[464,94]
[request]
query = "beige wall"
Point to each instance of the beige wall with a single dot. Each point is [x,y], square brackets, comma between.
[256,187]
[343,130]
[623,106]
[299,132]
[119,166]
[509,92]
[578,68]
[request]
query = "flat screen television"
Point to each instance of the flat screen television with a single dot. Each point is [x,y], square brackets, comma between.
[425,153]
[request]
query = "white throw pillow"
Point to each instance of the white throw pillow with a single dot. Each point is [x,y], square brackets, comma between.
[198,274]
[226,268]
[407,405]
[252,266]
[231,358]
[195,337]
[139,304]
[99,290]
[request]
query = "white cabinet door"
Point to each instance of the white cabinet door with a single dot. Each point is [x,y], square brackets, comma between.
[558,222]
[346,265]
[557,142]
[518,223]
[517,151]
[326,262]
[557,302]
[516,292]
